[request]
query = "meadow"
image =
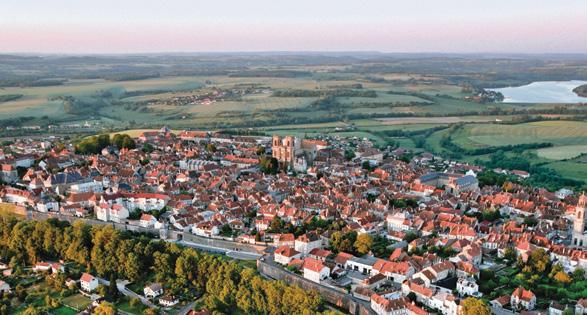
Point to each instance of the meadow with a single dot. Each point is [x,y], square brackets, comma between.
[562,152]
[558,132]
[565,156]
[36,101]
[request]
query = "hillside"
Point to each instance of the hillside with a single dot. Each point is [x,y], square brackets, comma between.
[581,90]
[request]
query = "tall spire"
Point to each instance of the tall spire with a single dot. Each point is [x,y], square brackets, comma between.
[582,200]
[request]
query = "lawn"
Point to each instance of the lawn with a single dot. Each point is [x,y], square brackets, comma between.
[247,263]
[77,301]
[124,304]
[138,286]
[64,310]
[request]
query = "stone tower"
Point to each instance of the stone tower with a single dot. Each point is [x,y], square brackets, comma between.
[579,235]
[284,149]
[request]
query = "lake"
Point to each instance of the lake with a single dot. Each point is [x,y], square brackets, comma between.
[543,92]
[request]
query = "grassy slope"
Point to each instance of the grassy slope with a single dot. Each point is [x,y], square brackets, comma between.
[557,132]
[569,138]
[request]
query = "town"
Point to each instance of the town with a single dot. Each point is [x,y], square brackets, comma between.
[391,230]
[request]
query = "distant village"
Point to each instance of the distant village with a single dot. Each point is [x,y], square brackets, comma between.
[405,233]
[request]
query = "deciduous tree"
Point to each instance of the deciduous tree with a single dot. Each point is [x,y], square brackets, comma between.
[105,308]
[363,243]
[473,306]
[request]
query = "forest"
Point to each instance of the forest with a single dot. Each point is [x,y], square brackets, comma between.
[225,286]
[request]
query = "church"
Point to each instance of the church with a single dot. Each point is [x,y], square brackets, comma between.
[579,233]
[295,153]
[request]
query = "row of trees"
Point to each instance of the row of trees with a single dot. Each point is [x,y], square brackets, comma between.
[95,144]
[332,92]
[111,254]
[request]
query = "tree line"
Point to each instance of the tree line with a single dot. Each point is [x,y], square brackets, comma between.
[112,254]
[317,93]
[9,97]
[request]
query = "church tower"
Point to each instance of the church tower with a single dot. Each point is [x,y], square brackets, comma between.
[579,236]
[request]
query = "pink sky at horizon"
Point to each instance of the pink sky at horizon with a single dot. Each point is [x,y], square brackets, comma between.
[68,27]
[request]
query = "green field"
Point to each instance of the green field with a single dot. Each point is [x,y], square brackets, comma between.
[562,152]
[570,169]
[560,133]
[64,310]
[35,100]
[565,157]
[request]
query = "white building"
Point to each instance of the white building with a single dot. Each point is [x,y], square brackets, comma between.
[581,307]
[206,229]
[147,220]
[146,201]
[305,243]
[115,213]
[168,301]
[153,290]
[467,287]
[88,282]
[398,221]
[523,299]
[363,265]
[90,186]
[4,287]
[284,255]
[47,205]
[382,306]
[315,270]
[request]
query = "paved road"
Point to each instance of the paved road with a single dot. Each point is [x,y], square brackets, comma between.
[214,242]
[242,255]
[121,285]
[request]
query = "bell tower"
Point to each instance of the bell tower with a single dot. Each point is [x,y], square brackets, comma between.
[579,236]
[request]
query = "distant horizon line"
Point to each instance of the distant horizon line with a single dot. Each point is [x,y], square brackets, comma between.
[293,52]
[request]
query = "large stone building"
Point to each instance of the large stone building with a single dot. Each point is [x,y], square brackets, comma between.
[454,183]
[295,153]
[579,233]
[286,149]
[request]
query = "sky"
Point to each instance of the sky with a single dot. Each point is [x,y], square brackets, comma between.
[147,26]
